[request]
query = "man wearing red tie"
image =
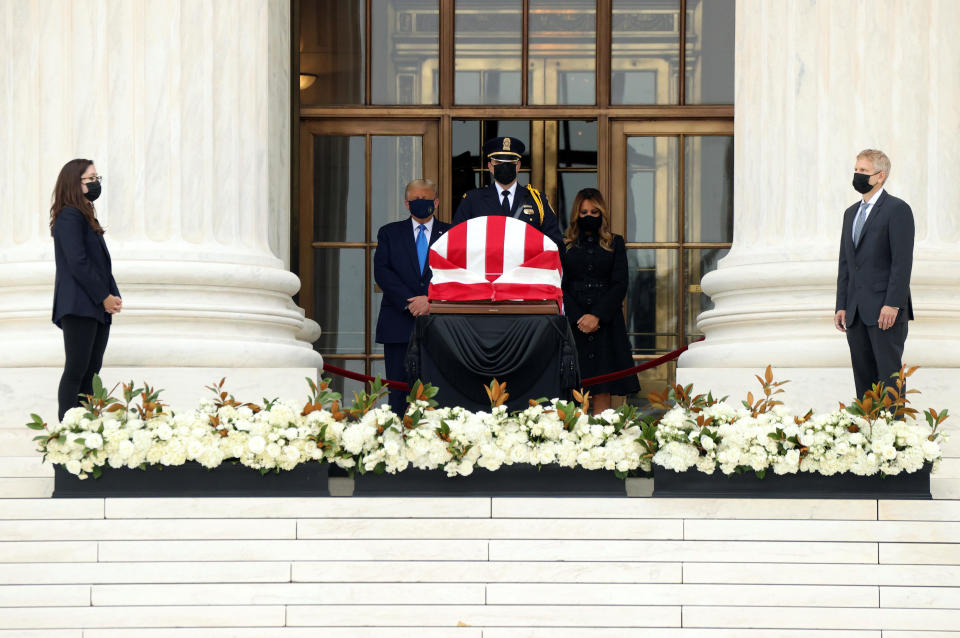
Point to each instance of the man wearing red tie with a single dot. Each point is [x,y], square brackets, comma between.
[401,270]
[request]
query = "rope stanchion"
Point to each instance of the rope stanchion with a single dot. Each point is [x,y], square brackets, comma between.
[603,378]
[620,374]
[356,376]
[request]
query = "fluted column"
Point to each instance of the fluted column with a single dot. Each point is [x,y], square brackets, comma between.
[184,105]
[816,82]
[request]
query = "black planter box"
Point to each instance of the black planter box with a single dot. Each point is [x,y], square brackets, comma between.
[696,484]
[192,479]
[509,480]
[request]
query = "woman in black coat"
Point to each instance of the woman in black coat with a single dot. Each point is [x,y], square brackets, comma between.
[85,294]
[595,282]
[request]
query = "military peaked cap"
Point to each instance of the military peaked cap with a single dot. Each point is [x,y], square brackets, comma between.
[505,149]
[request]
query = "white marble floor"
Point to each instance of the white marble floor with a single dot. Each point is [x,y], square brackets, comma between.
[478,568]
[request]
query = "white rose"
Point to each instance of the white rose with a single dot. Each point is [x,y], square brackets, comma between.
[73,466]
[73,416]
[93,441]
[195,449]
[125,449]
[257,444]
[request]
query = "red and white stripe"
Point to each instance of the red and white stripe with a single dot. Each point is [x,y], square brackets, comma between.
[495,258]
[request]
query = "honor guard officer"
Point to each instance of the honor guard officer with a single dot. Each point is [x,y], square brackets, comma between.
[505,196]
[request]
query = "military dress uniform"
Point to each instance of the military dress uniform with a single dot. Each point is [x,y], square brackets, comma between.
[529,204]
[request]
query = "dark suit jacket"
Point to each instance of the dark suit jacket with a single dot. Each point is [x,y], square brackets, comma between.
[84,270]
[397,272]
[486,201]
[876,272]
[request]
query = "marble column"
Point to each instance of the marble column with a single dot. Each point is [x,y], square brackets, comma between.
[184,106]
[816,82]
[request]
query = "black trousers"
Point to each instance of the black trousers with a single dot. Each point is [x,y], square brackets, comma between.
[84,342]
[393,358]
[875,354]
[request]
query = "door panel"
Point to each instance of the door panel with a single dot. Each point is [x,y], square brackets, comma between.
[353,173]
[672,185]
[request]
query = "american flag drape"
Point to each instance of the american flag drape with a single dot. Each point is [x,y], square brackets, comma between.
[495,258]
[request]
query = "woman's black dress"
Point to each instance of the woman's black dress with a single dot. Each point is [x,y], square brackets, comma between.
[595,282]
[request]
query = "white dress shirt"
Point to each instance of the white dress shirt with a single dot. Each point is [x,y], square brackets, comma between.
[416,228]
[512,190]
[866,213]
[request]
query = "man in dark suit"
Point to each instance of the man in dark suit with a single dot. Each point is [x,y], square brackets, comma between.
[504,196]
[400,269]
[873,279]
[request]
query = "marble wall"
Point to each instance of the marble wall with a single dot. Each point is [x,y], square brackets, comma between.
[816,82]
[184,105]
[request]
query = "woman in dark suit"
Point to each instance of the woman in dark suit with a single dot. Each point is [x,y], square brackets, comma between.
[595,282]
[85,294]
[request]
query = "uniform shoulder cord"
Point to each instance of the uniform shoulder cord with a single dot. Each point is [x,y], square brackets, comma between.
[536,199]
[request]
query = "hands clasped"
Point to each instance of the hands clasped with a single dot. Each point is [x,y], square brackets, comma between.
[113,304]
[419,305]
[588,323]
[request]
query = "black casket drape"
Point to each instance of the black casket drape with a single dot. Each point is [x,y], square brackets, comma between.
[534,354]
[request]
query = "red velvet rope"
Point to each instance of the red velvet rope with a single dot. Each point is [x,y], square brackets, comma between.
[603,378]
[356,376]
[653,363]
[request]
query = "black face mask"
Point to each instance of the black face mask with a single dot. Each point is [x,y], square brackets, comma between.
[505,173]
[861,183]
[93,191]
[421,208]
[590,224]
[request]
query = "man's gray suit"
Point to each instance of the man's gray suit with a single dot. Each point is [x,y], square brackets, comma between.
[874,273]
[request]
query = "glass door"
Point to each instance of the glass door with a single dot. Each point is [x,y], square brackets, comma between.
[672,183]
[560,157]
[352,179]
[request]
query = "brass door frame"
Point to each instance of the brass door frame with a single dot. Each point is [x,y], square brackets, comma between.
[620,130]
[428,130]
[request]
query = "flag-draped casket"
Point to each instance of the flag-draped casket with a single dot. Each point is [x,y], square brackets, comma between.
[495,258]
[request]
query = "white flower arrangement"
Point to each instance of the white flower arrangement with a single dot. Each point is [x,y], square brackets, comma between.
[695,432]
